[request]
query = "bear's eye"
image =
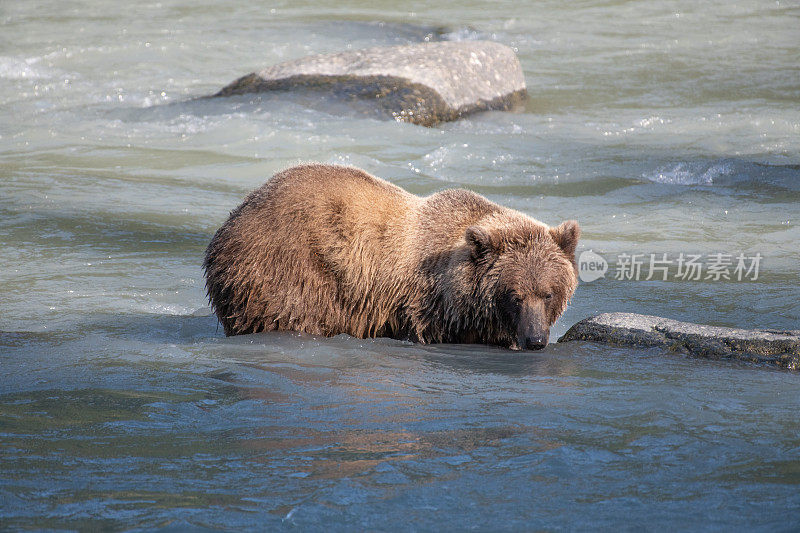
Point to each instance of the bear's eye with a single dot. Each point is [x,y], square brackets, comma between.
[548,296]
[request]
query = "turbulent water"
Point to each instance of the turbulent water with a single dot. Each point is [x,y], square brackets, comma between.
[662,127]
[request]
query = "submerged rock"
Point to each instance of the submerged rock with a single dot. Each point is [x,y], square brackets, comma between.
[778,348]
[422,83]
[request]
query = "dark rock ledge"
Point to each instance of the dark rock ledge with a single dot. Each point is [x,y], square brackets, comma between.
[776,348]
[423,83]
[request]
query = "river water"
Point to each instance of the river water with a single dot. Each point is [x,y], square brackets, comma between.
[663,127]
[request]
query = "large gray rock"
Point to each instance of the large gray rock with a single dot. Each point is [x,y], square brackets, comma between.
[778,348]
[422,83]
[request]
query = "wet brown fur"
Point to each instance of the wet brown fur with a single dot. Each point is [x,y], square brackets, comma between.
[328,249]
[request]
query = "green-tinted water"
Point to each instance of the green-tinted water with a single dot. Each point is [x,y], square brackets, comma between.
[663,127]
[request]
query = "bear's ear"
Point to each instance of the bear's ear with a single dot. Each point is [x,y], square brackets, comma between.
[479,241]
[566,236]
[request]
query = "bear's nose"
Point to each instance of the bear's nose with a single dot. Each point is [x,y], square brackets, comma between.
[536,343]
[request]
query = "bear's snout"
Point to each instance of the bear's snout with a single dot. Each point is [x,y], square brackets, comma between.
[537,342]
[532,331]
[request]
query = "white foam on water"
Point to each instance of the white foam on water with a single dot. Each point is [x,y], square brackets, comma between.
[15,68]
[689,173]
[165,309]
[465,34]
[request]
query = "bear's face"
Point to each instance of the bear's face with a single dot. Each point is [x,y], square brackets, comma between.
[528,276]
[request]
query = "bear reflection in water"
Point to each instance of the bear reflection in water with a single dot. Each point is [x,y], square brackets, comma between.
[328,250]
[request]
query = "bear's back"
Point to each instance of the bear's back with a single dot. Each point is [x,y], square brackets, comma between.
[308,250]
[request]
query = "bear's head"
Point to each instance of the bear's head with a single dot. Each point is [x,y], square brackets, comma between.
[525,274]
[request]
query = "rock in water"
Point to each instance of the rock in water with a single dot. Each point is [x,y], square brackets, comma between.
[422,83]
[778,348]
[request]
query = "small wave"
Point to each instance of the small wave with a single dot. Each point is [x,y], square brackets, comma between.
[150,308]
[465,34]
[14,68]
[690,173]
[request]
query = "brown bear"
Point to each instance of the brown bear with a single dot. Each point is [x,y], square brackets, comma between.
[329,249]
